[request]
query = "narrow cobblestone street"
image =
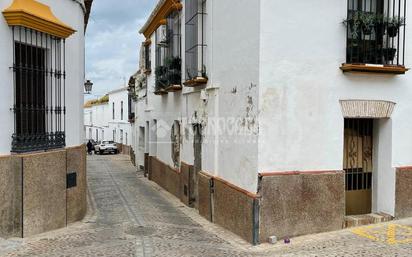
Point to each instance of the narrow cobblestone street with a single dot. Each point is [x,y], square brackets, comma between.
[130,216]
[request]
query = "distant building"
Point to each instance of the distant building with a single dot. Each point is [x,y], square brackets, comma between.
[273,118]
[43,162]
[108,118]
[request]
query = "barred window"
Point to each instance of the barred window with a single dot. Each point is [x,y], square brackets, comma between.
[39,91]
[376,32]
[195,39]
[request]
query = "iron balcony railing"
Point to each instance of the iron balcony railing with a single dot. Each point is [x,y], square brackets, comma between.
[376,32]
[168,51]
[169,74]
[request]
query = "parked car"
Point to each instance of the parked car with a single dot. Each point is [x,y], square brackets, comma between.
[106,147]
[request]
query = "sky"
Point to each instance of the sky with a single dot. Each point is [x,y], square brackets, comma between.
[113,42]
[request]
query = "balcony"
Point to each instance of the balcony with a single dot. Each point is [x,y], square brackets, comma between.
[169,76]
[375,36]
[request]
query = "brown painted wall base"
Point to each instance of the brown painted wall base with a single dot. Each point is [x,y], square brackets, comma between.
[228,206]
[233,210]
[205,196]
[403,199]
[165,176]
[38,200]
[301,203]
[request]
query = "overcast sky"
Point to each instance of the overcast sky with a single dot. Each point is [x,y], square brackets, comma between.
[112,42]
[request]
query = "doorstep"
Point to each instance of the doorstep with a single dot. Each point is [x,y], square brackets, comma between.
[366,219]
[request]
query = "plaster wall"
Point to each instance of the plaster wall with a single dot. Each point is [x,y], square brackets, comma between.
[72,14]
[301,124]
[383,188]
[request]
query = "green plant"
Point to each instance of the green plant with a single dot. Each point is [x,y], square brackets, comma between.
[368,21]
[354,23]
[394,21]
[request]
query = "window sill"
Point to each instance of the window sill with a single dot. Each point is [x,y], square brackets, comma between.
[388,69]
[161,92]
[195,82]
[174,88]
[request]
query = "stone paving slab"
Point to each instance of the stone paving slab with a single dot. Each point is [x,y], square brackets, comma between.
[131,216]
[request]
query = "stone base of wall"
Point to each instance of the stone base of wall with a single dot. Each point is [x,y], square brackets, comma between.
[287,204]
[165,176]
[77,196]
[294,204]
[403,193]
[35,198]
[233,209]
[228,206]
[10,197]
[124,149]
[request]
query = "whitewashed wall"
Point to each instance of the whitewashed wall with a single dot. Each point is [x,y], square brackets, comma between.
[72,14]
[118,123]
[301,123]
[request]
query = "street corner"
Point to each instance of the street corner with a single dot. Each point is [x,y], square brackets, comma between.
[390,234]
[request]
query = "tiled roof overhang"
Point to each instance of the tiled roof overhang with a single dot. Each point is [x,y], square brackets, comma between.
[162,9]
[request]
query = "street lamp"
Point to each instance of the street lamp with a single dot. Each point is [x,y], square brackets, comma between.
[88,86]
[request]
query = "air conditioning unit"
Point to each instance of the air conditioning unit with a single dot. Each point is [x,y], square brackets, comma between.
[163,35]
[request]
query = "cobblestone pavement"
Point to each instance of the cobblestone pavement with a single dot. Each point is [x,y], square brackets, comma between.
[130,216]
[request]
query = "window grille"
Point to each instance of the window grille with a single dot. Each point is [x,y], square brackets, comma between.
[39,91]
[148,61]
[168,52]
[376,32]
[195,39]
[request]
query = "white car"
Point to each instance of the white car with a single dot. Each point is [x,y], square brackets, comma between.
[106,147]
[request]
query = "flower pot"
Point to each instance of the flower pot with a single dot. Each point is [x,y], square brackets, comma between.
[392,31]
[367,30]
[389,54]
[379,28]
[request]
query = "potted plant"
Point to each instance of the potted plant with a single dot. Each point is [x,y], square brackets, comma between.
[367,21]
[161,79]
[174,65]
[389,54]
[354,23]
[379,24]
[393,24]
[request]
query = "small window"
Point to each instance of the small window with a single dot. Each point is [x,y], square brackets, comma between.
[113,113]
[121,110]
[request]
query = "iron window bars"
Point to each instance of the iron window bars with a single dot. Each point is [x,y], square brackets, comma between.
[358,153]
[39,91]
[376,32]
[168,52]
[147,59]
[195,39]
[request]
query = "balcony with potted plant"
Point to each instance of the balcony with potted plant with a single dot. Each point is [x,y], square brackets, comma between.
[375,39]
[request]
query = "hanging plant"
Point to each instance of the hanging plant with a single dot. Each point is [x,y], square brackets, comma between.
[393,24]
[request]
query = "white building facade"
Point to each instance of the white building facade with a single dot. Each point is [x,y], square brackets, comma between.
[108,118]
[41,133]
[273,121]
